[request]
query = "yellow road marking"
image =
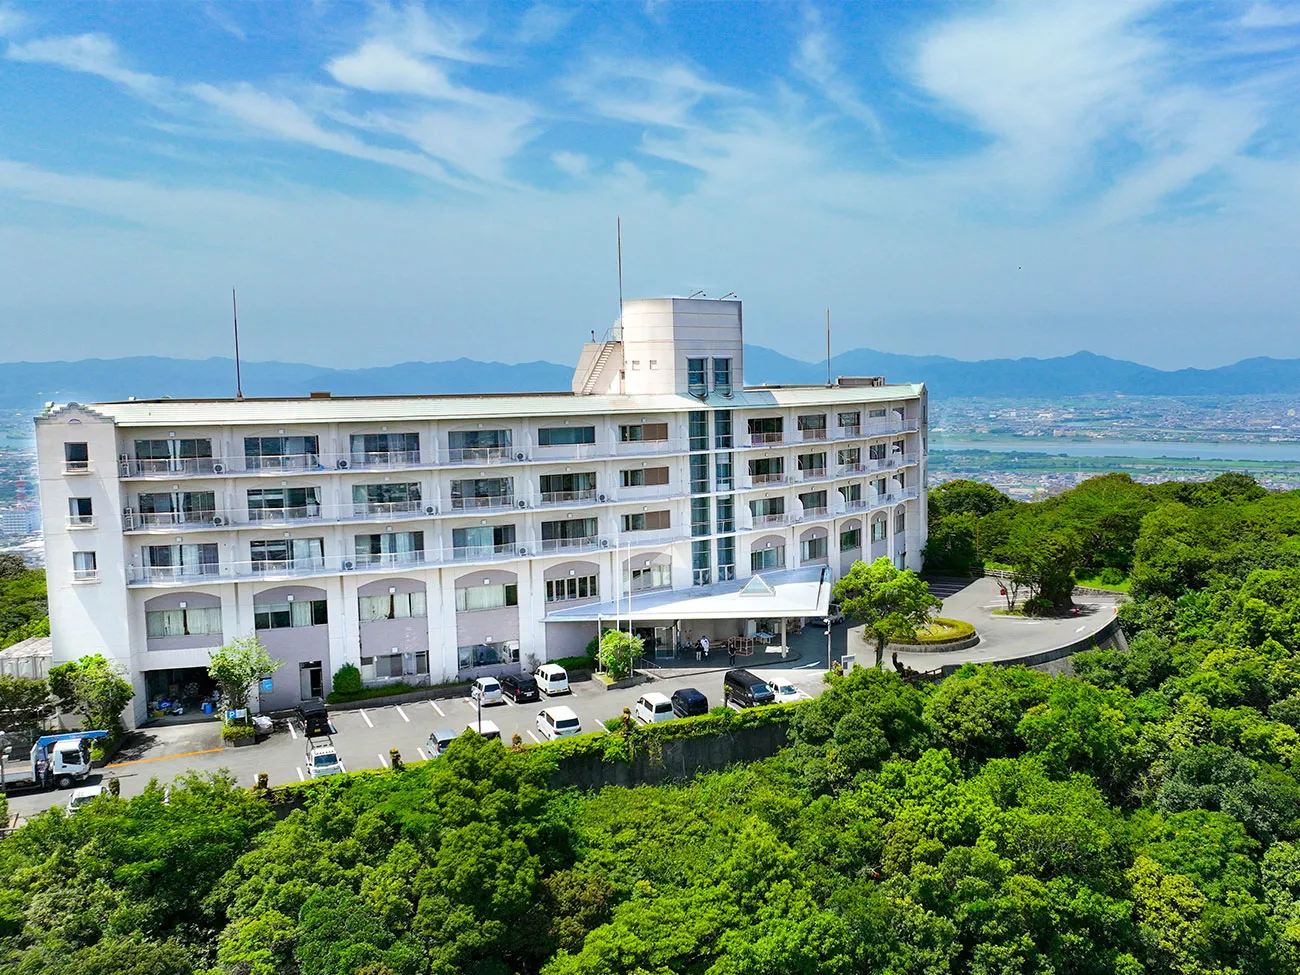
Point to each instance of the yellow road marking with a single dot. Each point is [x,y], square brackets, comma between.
[159,758]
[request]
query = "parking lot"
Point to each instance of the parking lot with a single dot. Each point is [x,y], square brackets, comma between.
[363,737]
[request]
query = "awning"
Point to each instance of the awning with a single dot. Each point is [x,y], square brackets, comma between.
[805,591]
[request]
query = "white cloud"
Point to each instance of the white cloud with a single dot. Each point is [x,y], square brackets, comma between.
[11,21]
[379,65]
[542,23]
[90,53]
[1268,15]
[573,164]
[645,92]
[428,32]
[816,60]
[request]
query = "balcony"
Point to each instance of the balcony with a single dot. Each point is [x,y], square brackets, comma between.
[488,553]
[771,521]
[813,474]
[568,497]
[171,467]
[283,462]
[376,560]
[758,439]
[817,433]
[284,516]
[483,503]
[152,574]
[380,460]
[776,478]
[484,455]
[644,448]
[582,543]
[848,432]
[380,510]
[812,514]
[847,470]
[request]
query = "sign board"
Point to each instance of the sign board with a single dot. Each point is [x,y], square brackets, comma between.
[267,685]
[237,714]
[847,662]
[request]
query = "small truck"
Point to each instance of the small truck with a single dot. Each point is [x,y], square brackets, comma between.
[55,760]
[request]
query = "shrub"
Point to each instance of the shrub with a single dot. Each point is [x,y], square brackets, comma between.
[347,680]
[383,690]
[1111,576]
[237,732]
[575,663]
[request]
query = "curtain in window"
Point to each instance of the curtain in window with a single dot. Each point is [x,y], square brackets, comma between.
[308,551]
[300,612]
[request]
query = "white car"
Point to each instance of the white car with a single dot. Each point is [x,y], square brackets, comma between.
[786,692]
[836,614]
[487,729]
[653,707]
[558,722]
[85,796]
[486,690]
[323,760]
[552,679]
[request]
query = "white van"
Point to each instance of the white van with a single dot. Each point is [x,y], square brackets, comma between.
[487,729]
[653,707]
[552,679]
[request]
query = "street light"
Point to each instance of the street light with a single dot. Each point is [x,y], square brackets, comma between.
[828,643]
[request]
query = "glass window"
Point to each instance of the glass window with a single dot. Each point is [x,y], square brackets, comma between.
[634,433]
[726,558]
[699,516]
[83,566]
[644,476]
[850,457]
[698,427]
[283,502]
[389,547]
[392,606]
[482,492]
[877,531]
[701,574]
[646,521]
[80,511]
[565,436]
[876,413]
[76,457]
[182,559]
[767,558]
[722,437]
[475,599]
[876,451]
[766,429]
[850,420]
[812,463]
[300,612]
[697,377]
[722,375]
[568,487]
[767,507]
[572,587]
[487,654]
[699,473]
[851,492]
[850,539]
[482,539]
[726,513]
[900,522]
[279,553]
[724,476]
[813,501]
[813,422]
[898,446]
[205,621]
[647,577]
[570,528]
[812,548]
[478,444]
[278,453]
[380,448]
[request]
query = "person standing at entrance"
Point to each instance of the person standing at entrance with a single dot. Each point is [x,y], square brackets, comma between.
[731,655]
[704,646]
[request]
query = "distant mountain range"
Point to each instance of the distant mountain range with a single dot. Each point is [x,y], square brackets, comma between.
[25,385]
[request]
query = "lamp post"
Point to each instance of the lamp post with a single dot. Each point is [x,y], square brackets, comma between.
[828,643]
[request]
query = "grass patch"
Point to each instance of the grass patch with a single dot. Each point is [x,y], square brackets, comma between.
[941,630]
[386,690]
[575,663]
[1095,582]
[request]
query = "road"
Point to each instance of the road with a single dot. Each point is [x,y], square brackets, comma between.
[363,738]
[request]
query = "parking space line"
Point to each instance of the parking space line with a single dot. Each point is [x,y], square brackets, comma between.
[508,703]
[366,717]
[423,757]
[434,705]
[301,777]
[382,761]
[534,738]
[292,734]
[403,714]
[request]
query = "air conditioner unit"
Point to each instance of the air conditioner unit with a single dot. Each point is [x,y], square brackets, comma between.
[343,463]
[602,497]
[604,543]
[348,565]
[430,509]
[521,504]
[218,468]
[522,551]
[521,456]
[218,520]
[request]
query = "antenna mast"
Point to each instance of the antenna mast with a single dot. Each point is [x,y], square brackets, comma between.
[239,383]
[619,227]
[828,347]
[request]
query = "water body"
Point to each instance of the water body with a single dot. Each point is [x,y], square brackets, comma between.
[1278,452]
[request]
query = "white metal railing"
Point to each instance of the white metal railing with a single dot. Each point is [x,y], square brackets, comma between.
[489,553]
[283,462]
[767,521]
[201,518]
[814,434]
[81,521]
[848,432]
[280,516]
[812,474]
[389,509]
[767,438]
[641,448]
[483,502]
[775,478]
[568,497]
[482,455]
[170,466]
[844,470]
[85,575]
[172,573]
[809,514]
[381,459]
[572,544]
[372,559]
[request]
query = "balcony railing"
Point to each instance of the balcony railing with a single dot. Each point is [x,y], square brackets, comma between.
[172,573]
[390,509]
[77,467]
[767,521]
[843,470]
[480,455]
[381,459]
[367,560]
[568,497]
[85,575]
[81,521]
[778,477]
[810,513]
[812,474]
[283,462]
[814,433]
[168,466]
[280,516]
[570,544]
[766,438]
[200,518]
[847,432]
[487,553]
[486,501]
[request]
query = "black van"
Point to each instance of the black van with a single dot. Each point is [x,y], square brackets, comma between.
[743,688]
[689,702]
[314,718]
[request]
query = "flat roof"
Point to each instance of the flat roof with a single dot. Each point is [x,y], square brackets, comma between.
[469,406]
[805,591]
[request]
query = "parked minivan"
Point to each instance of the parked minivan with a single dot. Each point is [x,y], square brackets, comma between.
[742,688]
[687,702]
[653,707]
[558,722]
[552,679]
[487,729]
[438,741]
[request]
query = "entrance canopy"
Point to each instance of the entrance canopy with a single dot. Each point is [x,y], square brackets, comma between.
[805,591]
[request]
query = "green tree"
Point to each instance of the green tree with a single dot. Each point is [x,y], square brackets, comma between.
[618,649]
[237,666]
[1043,562]
[25,702]
[889,603]
[94,688]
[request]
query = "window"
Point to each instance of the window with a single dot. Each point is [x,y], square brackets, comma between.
[767,510]
[699,473]
[282,616]
[635,433]
[179,508]
[392,606]
[276,504]
[483,492]
[284,553]
[644,477]
[813,502]
[570,533]
[726,514]
[850,458]
[648,577]
[389,547]
[561,488]
[487,654]
[876,451]
[726,558]
[646,521]
[698,427]
[767,558]
[654,363]
[812,548]
[722,438]
[722,376]
[850,539]
[389,665]
[80,512]
[281,453]
[767,470]
[636,364]
[478,445]
[385,448]
[475,599]
[83,567]
[181,560]
[812,465]
[876,414]
[201,621]
[877,531]
[898,446]
[813,426]
[573,587]
[181,456]
[900,522]
[701,574]
[76,457]
[565,436]
[374,499]
[482,540]
[699,516]
[851,493]
[724,475]
[878,485]
[697,380]
[767,429]
[850,421]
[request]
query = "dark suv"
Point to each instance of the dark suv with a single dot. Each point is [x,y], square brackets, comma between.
[519,687]
[689,702]
[314,718]
[743,688]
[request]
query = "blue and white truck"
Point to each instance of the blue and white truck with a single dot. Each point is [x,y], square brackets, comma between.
[55,760]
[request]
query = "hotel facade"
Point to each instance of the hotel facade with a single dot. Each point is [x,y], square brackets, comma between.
[436,538]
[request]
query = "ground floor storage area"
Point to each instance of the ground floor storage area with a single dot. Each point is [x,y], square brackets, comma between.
[181,694]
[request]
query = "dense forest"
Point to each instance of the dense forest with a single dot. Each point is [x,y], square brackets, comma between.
[23,610]
[1141,816]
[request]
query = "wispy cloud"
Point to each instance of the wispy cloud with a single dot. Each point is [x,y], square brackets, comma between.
[542,23]
[1270,15]
[817,60]
[12,21]
[90,53]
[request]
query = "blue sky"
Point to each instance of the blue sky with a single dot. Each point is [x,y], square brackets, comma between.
[386,183]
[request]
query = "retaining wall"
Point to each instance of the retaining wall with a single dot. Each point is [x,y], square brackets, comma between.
[1108,636]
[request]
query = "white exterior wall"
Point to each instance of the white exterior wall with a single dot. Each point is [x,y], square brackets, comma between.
[108,616]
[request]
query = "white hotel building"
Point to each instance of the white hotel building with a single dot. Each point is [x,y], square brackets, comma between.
[431,538]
